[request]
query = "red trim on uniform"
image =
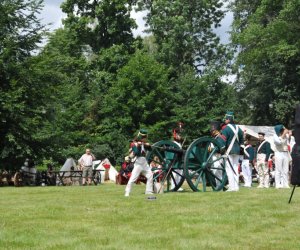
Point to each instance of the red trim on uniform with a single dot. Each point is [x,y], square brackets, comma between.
[223,126]
[174,133]
[223,137]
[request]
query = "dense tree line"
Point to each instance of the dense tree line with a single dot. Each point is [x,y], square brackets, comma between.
[266,35]
[93,84]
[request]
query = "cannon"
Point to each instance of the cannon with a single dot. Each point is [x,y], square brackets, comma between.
[26,175]
[201,165]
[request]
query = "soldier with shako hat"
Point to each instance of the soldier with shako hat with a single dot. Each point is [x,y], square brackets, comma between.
[233,137]
[139,147]
[177,134]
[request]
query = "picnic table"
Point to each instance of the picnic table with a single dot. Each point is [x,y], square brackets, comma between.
[63,175]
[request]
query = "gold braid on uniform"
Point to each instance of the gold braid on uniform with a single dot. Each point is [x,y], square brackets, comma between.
[215,133]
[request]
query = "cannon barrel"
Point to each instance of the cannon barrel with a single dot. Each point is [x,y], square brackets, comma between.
[170,149]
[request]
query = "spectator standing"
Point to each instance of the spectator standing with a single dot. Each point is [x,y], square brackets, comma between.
[138,150]
[263,151]
[247,162]
[281,156]
[86,163]
[233,137]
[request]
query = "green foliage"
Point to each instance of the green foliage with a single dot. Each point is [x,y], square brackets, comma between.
[269,54]
[21,97]
[100,24]
[200,100]
[94,85]
[183,32]
[140,97]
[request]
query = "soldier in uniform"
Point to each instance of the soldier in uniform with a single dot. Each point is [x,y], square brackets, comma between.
[281,157]
[263,151]
[233,137]
[138,148]
[248,157]
[177,139]
[215,127]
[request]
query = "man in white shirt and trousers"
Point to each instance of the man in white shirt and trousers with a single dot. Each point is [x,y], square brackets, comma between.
[86,162]
[281,157]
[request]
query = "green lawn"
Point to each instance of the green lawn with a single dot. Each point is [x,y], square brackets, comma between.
[100,217]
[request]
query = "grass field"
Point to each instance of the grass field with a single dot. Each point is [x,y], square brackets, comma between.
[100,217]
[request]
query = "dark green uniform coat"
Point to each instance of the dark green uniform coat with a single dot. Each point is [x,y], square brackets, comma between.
[264,149]
[228,135]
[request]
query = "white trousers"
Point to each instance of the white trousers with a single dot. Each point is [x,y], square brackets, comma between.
[281,169]
[177,177]
[247,172]
[263,171]
[233,178]
[217,168]
[140,167]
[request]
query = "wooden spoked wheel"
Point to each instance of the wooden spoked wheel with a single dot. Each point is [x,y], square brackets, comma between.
[204,166]
[166,162]
[18,180]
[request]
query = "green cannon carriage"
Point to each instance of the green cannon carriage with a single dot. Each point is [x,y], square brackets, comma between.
[201,165]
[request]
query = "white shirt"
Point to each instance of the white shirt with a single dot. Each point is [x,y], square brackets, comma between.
[280,143]
[292,142]
[86,160]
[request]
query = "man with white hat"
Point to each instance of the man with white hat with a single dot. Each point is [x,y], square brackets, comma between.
[139,147]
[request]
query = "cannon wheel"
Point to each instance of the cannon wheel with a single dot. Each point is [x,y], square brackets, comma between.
[96,178]
[204,166]
[18,180]
[170,169]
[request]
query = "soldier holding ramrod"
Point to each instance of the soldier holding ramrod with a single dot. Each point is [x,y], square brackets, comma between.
[138,148]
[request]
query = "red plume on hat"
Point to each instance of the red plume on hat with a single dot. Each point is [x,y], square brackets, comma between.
[178,130]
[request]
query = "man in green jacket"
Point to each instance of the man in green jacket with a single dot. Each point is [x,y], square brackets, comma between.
[263,151]
[247,162]
[233,137]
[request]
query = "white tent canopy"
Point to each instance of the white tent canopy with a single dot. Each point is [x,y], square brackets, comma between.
[112,172]
[254,130]
[69,164]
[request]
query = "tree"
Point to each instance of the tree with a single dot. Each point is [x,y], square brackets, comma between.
[69,122]
[200,100]
[21,96]
[183,32]
[139,98]
[100,23]
[269,55]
